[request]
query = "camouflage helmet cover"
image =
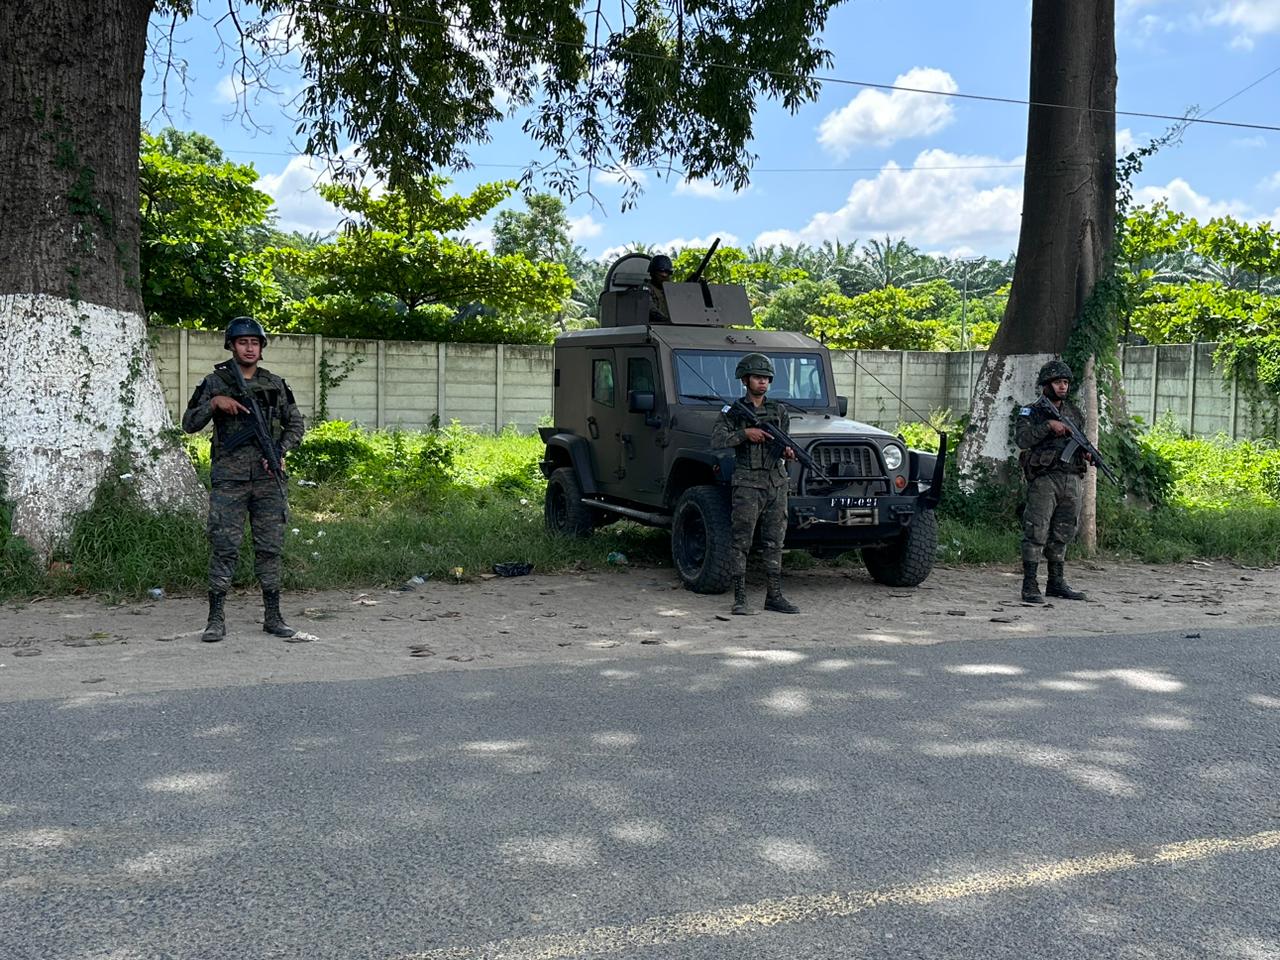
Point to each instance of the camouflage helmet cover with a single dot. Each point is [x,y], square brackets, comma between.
[754,364]
[244,327]
[660,263]
[1054,370]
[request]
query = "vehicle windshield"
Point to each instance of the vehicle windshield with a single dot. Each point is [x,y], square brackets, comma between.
[798,377]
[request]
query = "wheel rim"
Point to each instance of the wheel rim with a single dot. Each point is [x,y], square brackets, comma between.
[559,506]
[692,541]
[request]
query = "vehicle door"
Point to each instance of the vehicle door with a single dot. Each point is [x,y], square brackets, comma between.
[640,435]
[605,412]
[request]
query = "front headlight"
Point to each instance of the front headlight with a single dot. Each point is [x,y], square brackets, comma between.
[892,456]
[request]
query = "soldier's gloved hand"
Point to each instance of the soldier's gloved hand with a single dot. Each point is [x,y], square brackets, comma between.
[1058,427]
[228,404]
[756,435]
[788,454]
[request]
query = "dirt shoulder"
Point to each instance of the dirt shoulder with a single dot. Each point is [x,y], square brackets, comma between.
[82,648]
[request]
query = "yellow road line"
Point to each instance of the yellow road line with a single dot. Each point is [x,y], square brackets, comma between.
[697,925]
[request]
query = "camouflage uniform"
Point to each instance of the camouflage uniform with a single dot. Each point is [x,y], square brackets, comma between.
[759,487]
[241,485]
[658,302]
[759,490]
[1052,510]
[1053,487]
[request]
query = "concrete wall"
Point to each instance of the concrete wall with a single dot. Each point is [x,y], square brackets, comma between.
[492,386]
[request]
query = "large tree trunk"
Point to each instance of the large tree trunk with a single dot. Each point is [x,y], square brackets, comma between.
[1068,216]
[77,381]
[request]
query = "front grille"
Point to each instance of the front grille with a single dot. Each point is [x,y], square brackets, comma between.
[847,459]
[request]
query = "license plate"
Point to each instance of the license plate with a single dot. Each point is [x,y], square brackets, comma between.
[853,501]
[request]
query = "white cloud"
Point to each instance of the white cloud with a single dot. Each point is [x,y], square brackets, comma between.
[230,89]
[298,205]
[584,227]
[1125,142]
[706,190]
[1179,195]
[1249,18]
[1250,143]
[971,202]
[618,176]
[877,118]
[1272,182]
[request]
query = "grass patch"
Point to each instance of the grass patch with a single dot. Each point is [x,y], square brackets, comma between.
[376,508]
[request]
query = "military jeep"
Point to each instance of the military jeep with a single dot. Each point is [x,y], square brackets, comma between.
[633,416]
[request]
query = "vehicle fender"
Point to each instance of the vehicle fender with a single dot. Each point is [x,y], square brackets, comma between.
[578,454]
[689,463]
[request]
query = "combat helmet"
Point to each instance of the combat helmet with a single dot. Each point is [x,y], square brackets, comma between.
[1054,370]
[754,364]
[244,327]
[660,264]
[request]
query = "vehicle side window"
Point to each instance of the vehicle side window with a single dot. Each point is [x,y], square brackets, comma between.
[602,381]
[640,374]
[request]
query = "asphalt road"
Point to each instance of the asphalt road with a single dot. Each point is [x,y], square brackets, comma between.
[1063,798]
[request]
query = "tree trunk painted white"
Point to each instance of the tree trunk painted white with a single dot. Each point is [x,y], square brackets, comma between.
[1068,216]
[1006,383]
[76,380]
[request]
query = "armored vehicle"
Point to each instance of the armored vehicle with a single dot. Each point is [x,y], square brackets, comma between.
[635,402]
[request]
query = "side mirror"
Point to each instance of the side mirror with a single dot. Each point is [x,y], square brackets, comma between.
[641,401]
[842,404]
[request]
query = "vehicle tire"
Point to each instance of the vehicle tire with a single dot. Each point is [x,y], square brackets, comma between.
[563,510]
[908,561]
[702,539]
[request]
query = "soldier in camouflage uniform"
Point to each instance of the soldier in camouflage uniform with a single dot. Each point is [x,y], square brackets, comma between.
[759,484]
[1053,485]
[659,273]
[243,484]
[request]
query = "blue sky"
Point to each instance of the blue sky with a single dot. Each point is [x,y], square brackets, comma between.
[860,163]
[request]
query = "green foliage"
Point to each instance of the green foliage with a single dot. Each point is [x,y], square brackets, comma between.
[393,274]
[19,570]
[891,318]
[540,233]
[376,507]
[795,306]
[200,218]
[416,85]
[1218,472]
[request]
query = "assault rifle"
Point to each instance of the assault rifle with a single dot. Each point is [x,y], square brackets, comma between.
[271,454]
[1078,440]
[741,410]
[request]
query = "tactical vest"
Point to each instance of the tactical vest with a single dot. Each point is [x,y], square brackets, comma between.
[232,431]
[1046,456]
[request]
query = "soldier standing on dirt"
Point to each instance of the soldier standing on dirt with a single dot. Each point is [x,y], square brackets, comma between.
[659,274]
[759,484]
[1053,485]
[243,483]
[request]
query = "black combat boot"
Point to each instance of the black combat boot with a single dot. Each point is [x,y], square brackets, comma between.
[1057,586]
[216,628]
[272,622]
[774,600]
[1030,589]
[740,607]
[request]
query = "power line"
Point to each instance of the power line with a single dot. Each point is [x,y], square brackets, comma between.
[821,78]
[1267,75]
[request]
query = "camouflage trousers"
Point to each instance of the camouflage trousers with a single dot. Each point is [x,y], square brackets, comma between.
[1052,512]
[230,503]
[768,507]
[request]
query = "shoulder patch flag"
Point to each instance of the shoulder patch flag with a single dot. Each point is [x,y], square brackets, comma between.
[1025,412]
